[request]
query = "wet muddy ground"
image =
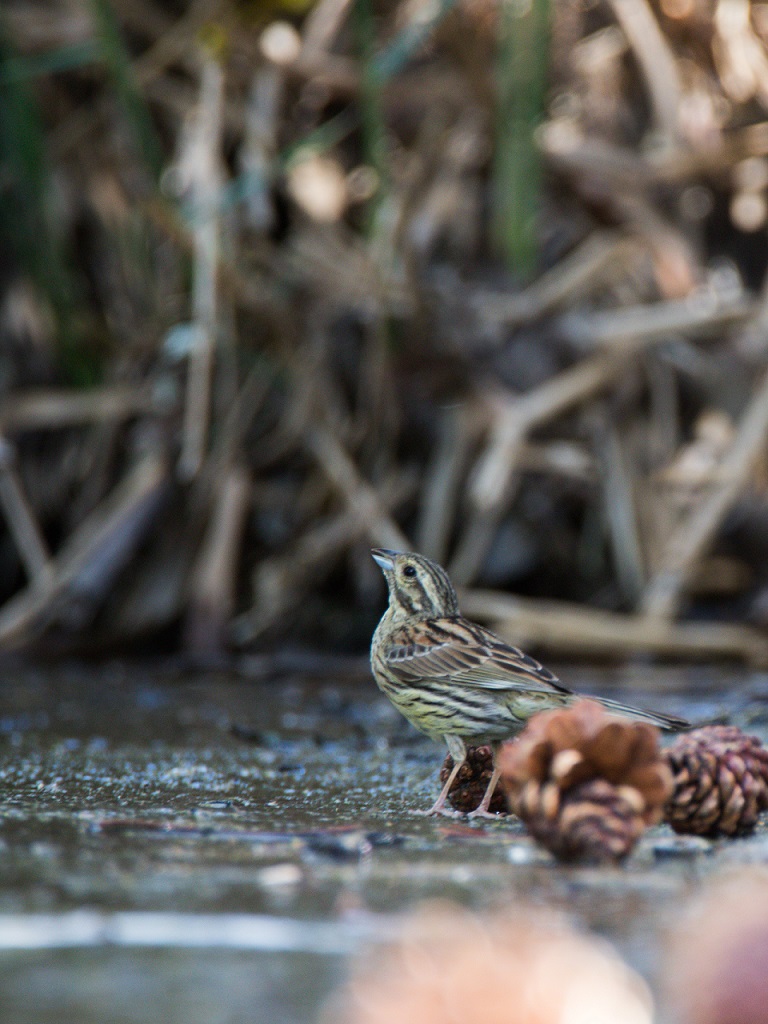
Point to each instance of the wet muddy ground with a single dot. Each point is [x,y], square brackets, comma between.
[210,848]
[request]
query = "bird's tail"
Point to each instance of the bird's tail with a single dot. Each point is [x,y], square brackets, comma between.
[639,715]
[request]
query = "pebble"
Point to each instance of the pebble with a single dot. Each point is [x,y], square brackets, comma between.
[681,847]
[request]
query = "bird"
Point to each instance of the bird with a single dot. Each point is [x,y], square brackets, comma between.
[456,680]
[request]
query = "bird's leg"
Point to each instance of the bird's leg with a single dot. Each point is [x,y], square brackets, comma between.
[481,811]
[458,752]
[438,807]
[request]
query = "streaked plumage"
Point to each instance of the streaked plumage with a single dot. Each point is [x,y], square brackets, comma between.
[454,679]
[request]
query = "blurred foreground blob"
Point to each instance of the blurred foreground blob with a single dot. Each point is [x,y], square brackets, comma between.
[470,784]
[721,782]
[585,783]
[451,967]
[718,967]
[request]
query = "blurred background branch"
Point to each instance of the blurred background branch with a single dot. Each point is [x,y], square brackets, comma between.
[281,282]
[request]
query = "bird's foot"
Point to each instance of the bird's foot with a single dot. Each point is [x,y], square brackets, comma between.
[480,812]
[434,811]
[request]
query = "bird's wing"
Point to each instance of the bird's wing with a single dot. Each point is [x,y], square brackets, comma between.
[466,654]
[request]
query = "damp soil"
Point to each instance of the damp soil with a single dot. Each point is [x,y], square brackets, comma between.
[210,848]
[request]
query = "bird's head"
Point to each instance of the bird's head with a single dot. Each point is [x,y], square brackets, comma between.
[418,588]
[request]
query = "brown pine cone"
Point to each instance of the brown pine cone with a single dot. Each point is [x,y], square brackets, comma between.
[447,965]
[717,953]
[585,783]
[470,784]
[721,781]
[595,823]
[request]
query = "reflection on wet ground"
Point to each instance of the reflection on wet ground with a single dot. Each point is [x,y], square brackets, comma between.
[209,848]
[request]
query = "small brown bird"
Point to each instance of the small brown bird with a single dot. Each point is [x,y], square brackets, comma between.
[453,678]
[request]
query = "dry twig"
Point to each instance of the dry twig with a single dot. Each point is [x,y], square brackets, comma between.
[665,591]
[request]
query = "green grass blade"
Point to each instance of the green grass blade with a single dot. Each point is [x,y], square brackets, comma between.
[62,58]
[371,101]
[522,80]
[25,189]
[118,62]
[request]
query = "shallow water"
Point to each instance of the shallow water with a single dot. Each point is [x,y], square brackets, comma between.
[208,848]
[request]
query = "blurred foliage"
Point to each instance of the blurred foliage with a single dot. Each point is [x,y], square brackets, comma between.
[522,85]
[27,216]
[479,278]
[118,62]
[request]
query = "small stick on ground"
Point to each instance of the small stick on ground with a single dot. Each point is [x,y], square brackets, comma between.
[586,267]
[619,509]
[664,593]
[22,522]
[87,564]
[655,321]
[214,575]
[51,409]
[492,486]
[202,164]
[342,472]
[282,582]
[459,431]
[656,61]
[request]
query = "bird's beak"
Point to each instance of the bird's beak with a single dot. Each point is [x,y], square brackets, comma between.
[384,558]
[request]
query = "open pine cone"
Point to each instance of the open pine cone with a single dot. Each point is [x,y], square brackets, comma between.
[721,781]
[470,784]
[585,783]
[716,962]
[447,965]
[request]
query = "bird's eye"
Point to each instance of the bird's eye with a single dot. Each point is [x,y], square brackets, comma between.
[409,571]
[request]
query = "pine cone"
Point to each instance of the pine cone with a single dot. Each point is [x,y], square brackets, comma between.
[470,784]
[585,783]
[717,955]
[447,965]
[721,781]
